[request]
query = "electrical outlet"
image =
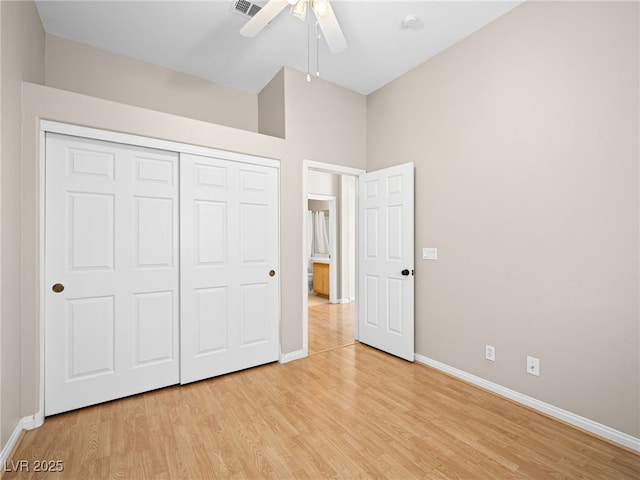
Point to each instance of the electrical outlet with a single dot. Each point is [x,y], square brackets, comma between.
[533,366]
[490,352]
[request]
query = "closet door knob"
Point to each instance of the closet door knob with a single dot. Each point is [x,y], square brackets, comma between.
[405,272]
[58,287]
[272,273]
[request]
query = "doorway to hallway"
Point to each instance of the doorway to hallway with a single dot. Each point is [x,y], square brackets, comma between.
[329,306]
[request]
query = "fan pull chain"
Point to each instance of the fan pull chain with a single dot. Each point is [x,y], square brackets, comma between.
[318,35]
[309,50]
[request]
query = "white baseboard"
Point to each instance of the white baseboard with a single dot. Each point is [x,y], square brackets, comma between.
[290,357]
[25,423]
[596,428]
[33,421]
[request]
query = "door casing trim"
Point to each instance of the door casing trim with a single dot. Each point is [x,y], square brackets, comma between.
[308,165]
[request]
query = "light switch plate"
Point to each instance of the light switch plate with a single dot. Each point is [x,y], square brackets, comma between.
[429,253]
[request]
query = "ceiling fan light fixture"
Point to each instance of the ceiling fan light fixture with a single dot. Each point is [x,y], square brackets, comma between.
[299,9]
[320,7]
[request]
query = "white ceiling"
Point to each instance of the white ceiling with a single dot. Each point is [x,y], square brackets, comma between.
[201,37]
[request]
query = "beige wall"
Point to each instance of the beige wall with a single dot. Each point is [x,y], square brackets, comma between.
[271,120]
[525,138]
[325,122]
[22,58]
[323,183]
[84,69]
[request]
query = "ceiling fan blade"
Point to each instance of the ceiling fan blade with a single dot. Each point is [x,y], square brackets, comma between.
[332,32]
[263,17]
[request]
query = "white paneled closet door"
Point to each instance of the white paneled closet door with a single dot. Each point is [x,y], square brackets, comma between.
[229,266]
[111,271]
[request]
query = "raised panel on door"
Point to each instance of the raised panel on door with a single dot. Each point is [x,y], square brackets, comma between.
[386,316]
[254,324]
[154,328]
[154,232]
[89,328]
[111,238]
[253,229]
[212,332]
[210,232]
[229,244]
[91,231]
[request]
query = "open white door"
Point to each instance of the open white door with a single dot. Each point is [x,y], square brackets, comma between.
[385,260]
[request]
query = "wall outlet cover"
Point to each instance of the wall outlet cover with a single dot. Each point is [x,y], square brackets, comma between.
[490,353]
[533,366]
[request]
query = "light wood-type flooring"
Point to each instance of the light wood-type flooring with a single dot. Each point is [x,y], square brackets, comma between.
[330,326]
[346,411]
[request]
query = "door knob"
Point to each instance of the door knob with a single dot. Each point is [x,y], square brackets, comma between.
[272,273]
[405,272]
[57,287]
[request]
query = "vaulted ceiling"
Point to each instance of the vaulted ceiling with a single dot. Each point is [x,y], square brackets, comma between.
[202,38]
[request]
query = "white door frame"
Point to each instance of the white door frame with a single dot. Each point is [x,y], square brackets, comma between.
[126,138]
[333,247]
[308,165]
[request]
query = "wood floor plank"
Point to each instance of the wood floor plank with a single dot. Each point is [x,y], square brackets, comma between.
[331,324]
[348,411]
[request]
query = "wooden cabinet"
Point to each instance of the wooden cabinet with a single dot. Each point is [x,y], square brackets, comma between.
[321,278]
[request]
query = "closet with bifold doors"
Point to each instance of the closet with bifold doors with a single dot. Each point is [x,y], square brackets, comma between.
[161,265]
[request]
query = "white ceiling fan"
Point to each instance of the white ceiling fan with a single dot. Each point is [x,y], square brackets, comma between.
[299,8]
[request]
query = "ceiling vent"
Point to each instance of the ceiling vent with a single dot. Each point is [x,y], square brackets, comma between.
[245,8]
